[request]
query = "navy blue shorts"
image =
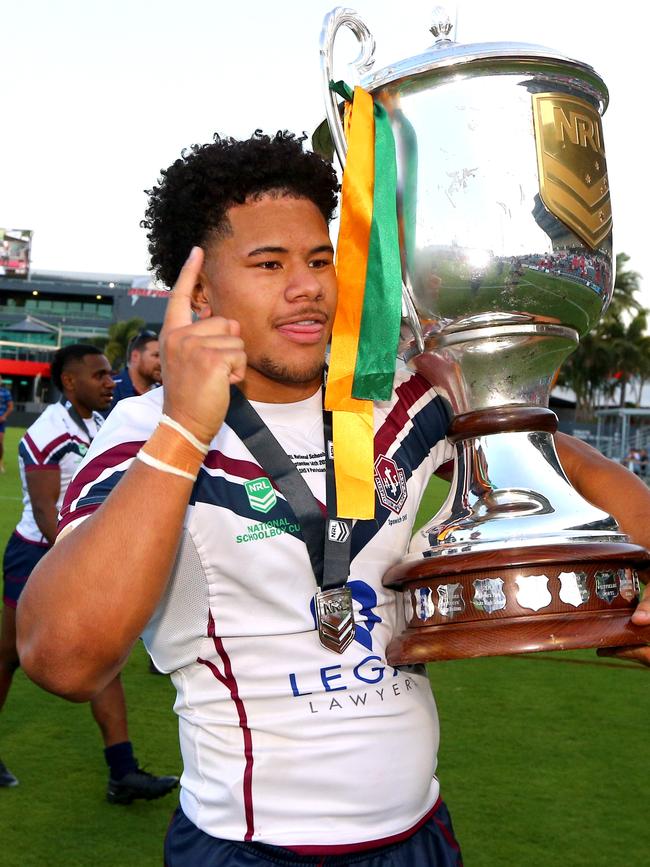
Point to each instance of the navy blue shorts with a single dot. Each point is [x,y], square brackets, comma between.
[432,845]
[19,561]
[2,427]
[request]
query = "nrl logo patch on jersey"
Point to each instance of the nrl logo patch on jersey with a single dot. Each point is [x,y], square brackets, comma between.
[261,495]
[390,483]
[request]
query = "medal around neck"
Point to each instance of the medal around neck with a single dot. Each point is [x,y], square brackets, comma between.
[335,618]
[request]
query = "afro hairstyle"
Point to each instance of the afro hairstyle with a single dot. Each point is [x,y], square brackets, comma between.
[195,192]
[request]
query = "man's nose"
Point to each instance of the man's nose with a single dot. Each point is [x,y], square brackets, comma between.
[304,282]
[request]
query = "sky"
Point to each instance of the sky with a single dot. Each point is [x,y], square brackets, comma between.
[99,96]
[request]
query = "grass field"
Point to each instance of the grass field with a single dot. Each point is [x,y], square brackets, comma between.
[542,761]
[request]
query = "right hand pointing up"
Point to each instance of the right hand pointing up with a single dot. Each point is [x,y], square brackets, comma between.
[200,360]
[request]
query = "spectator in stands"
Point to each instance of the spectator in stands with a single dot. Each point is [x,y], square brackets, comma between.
[633,461]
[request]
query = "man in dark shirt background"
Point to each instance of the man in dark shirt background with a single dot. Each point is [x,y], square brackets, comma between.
[142,371]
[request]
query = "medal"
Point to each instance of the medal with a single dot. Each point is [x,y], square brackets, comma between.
[329,543]
[335,618]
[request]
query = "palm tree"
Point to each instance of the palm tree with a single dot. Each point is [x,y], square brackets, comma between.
[586,372]
[628,350]
[626,285]
[119,335]
[615,352]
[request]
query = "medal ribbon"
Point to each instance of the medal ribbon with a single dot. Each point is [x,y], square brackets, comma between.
[382,299]
[353,426]
[366,328]
[328,540]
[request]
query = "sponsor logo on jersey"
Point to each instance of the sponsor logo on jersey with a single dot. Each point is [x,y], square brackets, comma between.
[390,483]
[261,495]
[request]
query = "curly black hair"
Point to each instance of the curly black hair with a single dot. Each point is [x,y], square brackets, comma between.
[194,193]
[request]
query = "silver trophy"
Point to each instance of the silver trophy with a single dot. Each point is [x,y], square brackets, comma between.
[506,245]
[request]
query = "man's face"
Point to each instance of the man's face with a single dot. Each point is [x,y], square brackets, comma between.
[89,382]
[146,361]
[275,275]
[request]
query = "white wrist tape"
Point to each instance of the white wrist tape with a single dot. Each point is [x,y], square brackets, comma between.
[163,467]
[184,432]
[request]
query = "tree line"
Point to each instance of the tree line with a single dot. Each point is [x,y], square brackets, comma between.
[612,361]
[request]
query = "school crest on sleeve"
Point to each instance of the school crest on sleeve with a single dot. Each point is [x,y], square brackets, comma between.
[390,483]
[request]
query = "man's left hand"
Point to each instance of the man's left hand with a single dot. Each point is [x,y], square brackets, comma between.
[638,653]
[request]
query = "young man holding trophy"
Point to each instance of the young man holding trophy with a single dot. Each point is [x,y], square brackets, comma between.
[261,598]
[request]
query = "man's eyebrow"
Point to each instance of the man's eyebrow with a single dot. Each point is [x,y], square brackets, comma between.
[259,250]
[322,248]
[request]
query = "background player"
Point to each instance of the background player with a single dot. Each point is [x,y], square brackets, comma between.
[49,454]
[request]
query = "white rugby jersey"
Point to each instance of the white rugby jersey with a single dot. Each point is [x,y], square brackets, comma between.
[54,441]
[283,741]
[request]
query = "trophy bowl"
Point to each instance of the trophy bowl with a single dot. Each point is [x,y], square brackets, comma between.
[505,230]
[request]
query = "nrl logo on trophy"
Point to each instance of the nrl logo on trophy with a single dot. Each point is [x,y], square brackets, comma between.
[571,162]
[493,204]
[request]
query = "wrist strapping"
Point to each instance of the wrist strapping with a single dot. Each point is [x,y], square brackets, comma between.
[183,431]
[170,451]
[161,465]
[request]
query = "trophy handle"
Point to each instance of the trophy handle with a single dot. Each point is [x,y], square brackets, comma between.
[363,63]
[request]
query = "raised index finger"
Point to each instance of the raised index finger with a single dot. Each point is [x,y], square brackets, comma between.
[179,306]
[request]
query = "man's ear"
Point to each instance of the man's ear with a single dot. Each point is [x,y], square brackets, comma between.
[67,380]
[200,303]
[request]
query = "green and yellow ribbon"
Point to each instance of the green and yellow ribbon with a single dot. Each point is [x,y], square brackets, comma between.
[366,328]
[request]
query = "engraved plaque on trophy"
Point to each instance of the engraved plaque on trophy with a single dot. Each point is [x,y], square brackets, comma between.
[505,230]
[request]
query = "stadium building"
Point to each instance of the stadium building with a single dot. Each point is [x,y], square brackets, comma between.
[44,310]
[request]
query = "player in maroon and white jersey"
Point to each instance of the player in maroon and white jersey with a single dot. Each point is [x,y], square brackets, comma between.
[292,753]
[48,455]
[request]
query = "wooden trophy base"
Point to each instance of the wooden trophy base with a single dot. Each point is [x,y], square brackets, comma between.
[518,600]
